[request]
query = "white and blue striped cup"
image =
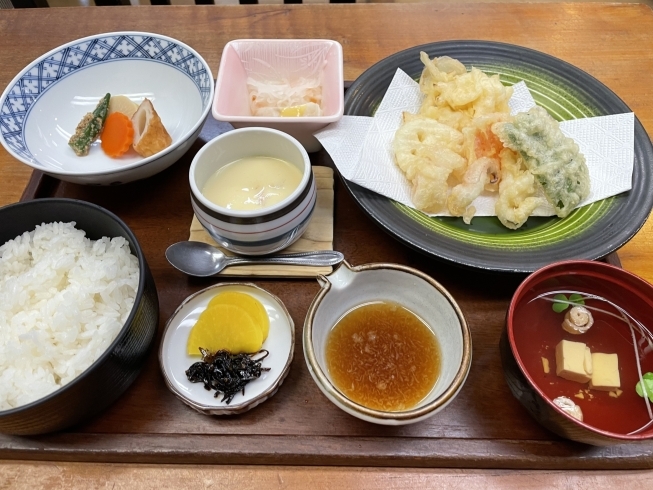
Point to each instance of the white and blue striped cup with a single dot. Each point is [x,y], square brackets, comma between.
[260,231]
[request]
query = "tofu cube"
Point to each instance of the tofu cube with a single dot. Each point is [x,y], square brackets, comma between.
[605,376]
[573,361]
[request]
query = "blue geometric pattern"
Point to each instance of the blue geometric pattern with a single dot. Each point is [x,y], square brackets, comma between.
[99,50]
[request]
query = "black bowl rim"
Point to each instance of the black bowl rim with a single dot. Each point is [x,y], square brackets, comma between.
[614,436]
[123,331]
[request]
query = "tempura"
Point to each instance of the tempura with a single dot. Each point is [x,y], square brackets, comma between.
[464,141]
[554,159]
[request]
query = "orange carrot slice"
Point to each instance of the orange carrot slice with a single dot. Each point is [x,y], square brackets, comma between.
[117,135]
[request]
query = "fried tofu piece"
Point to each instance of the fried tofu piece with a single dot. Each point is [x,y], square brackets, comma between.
[574,361]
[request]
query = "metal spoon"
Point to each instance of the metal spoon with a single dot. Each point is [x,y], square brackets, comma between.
[203,260]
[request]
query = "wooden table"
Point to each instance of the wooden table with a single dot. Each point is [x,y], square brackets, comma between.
[613,42]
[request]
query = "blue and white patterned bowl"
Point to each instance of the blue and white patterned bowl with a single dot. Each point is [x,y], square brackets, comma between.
[42,105]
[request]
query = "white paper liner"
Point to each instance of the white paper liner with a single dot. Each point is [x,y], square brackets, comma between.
[607,142]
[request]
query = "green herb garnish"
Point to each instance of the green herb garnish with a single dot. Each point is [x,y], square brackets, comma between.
[577,299]
[561,302]
[648,386]
[558,306]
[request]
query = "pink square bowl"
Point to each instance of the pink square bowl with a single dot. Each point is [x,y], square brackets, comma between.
[231,102]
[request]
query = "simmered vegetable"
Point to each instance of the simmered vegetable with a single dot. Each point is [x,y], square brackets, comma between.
[89,128]
[117,134]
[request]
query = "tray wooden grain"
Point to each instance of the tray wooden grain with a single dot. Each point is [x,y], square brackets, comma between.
[484,427]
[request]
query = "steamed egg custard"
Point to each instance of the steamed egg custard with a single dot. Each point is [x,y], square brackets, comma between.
[383,356]
[232,321]
[252,183]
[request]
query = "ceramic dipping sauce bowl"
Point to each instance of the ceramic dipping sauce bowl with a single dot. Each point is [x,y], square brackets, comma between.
[349,287]
[262,231]
[174,360]
[533,329]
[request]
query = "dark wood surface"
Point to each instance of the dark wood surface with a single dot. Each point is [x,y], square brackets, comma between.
[484,427]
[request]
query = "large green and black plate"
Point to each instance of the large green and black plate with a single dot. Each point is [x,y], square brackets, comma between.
[567,92]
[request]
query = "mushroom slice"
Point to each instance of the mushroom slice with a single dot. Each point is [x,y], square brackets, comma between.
[578,320]
[568,406]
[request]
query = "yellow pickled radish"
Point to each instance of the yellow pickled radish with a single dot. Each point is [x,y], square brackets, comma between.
[227,327]
[122,104]
[310,109]
[247,302]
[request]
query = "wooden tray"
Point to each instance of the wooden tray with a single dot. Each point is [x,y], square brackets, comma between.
[484,427]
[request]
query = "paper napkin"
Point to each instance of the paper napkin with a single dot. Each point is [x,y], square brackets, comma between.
[606,141]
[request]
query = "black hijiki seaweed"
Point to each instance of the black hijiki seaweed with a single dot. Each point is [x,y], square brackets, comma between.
[225,372]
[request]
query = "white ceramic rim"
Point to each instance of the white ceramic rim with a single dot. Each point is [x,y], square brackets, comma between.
[197,193]
[369,414]
[133,165]
[278,120]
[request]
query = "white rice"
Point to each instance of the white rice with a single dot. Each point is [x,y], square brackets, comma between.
[63,300]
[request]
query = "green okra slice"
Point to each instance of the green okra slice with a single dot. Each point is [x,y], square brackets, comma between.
[89,128]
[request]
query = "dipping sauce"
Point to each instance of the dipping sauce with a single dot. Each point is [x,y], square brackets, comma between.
[383,356]
[252,183]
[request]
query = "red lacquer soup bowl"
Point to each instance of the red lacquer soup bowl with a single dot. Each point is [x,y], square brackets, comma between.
[534,329]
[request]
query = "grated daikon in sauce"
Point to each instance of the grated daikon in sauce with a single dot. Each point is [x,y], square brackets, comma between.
[383,356]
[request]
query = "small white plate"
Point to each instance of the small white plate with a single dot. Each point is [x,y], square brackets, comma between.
[174,359]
